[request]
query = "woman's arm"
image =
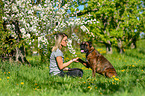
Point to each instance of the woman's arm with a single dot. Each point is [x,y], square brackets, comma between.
[62,65]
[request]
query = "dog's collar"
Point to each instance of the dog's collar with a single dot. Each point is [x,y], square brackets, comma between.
[89,53]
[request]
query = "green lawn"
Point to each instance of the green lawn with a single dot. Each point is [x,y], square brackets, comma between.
[24,80]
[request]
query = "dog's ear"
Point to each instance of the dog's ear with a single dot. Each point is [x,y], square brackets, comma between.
[90,43]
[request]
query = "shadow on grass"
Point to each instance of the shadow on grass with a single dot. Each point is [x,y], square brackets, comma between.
[38,64]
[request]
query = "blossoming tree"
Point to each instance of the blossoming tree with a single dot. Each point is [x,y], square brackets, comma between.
[35,24]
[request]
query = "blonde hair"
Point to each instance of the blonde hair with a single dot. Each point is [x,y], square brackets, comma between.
[58,39]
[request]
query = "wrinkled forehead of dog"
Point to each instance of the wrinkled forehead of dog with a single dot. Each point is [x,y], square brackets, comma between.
[89,43]
[83,43]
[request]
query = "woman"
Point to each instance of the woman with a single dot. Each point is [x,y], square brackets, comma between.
[57,65]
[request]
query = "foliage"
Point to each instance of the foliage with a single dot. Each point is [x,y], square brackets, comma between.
[119,21]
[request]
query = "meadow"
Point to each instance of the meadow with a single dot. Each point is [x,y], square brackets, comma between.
[24,80]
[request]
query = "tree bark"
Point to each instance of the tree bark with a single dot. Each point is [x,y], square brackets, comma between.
[108,47]
[120,46]
[133,44]
[20,55]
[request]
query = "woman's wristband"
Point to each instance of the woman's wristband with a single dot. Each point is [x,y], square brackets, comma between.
[72,60]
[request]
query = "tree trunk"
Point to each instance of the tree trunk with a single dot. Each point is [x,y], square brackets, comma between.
[20,55]
[133,44]
[20,52]
[108,47]
[42,55]
[120,46]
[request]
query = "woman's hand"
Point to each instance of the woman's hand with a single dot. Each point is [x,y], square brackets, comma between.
[75,59]
[66,69]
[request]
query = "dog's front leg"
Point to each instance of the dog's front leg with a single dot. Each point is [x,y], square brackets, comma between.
[93,72]
[84,63]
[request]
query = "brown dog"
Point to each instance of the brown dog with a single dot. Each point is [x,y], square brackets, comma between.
[97,62]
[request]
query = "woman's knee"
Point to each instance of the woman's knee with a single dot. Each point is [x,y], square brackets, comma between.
[80,72]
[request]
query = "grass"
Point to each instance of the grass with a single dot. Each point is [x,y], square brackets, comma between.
[24,80]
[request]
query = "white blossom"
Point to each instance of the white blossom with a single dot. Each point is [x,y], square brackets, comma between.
[69,44]
[43,23]
[28,35]
[4,18]
[23,30]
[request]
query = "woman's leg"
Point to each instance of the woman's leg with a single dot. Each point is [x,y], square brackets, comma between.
[75,73]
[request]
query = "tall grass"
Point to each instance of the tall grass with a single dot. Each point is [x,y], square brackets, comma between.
[34,80]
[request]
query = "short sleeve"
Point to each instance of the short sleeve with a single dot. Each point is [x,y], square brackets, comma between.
[58,53]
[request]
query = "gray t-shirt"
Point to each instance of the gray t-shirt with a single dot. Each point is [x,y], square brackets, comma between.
[53,68]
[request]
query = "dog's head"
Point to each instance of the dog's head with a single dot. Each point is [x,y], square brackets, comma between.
[85,46]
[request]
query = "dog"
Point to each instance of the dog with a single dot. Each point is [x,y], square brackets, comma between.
[97,62]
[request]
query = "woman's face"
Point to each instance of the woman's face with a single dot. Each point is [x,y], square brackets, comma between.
[64,41]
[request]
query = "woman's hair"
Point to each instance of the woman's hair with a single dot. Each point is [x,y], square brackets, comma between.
[58,39]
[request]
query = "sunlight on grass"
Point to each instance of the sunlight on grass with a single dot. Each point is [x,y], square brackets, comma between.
[17,79]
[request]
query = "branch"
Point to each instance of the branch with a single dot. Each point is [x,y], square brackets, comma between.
[17,29]
[83,13]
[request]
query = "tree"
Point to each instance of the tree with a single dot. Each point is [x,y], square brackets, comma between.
[117,22]
[35,24]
